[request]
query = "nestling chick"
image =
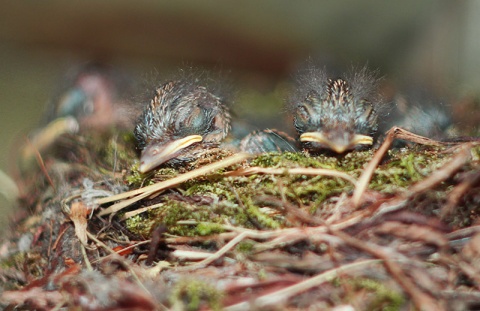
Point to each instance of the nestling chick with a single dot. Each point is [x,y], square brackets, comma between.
[180,122]
[419,112]
[94,96]
[91,98]
[335,114]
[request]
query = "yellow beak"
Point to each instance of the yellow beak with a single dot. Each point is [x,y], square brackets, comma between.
[154,155]
[338,146]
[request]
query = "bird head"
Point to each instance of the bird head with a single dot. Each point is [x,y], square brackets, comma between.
[332,116]
[180,121]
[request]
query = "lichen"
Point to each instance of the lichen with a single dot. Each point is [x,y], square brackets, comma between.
[194,294]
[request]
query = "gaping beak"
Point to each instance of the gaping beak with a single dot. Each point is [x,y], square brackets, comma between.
[338,145]
[154,155]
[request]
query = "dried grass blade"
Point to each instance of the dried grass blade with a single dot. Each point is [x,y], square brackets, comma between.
[149,190]
[218,254]
[367,174]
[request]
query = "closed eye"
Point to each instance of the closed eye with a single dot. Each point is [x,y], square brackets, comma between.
[364,110]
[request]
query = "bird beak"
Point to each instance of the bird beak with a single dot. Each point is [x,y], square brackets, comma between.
[46,137]
[338,145]
[154,155]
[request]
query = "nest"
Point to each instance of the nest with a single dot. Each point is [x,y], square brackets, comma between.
[388,229]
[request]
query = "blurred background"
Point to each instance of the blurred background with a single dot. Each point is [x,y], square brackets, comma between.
[260,42]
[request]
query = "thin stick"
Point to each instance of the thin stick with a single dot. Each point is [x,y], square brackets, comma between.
[239,157]
[304,232]
[141,210]
[218,254]
[365,178]
[41,164]
[122,250]
[392,134]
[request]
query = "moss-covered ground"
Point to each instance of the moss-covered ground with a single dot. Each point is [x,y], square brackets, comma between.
[239,241]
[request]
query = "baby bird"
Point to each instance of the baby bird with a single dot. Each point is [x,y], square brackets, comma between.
[419,112]
[335,114]
[182,120]
[93,96]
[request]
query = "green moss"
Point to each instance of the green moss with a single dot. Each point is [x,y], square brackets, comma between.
[350,162]
[257,216]
[262,274]
[175,211]
[245,247]
[234,199]
[404,168]
[12,260]
[385,298]
[312,191]
[136,179]
[205,228]
[218,190]
[475,153]
[141,224]
[118,153]
[208,219]
[191,294]
[354,162]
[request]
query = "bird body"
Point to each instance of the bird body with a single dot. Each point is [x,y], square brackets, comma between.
[268,140]
[181,120]
[335,114]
